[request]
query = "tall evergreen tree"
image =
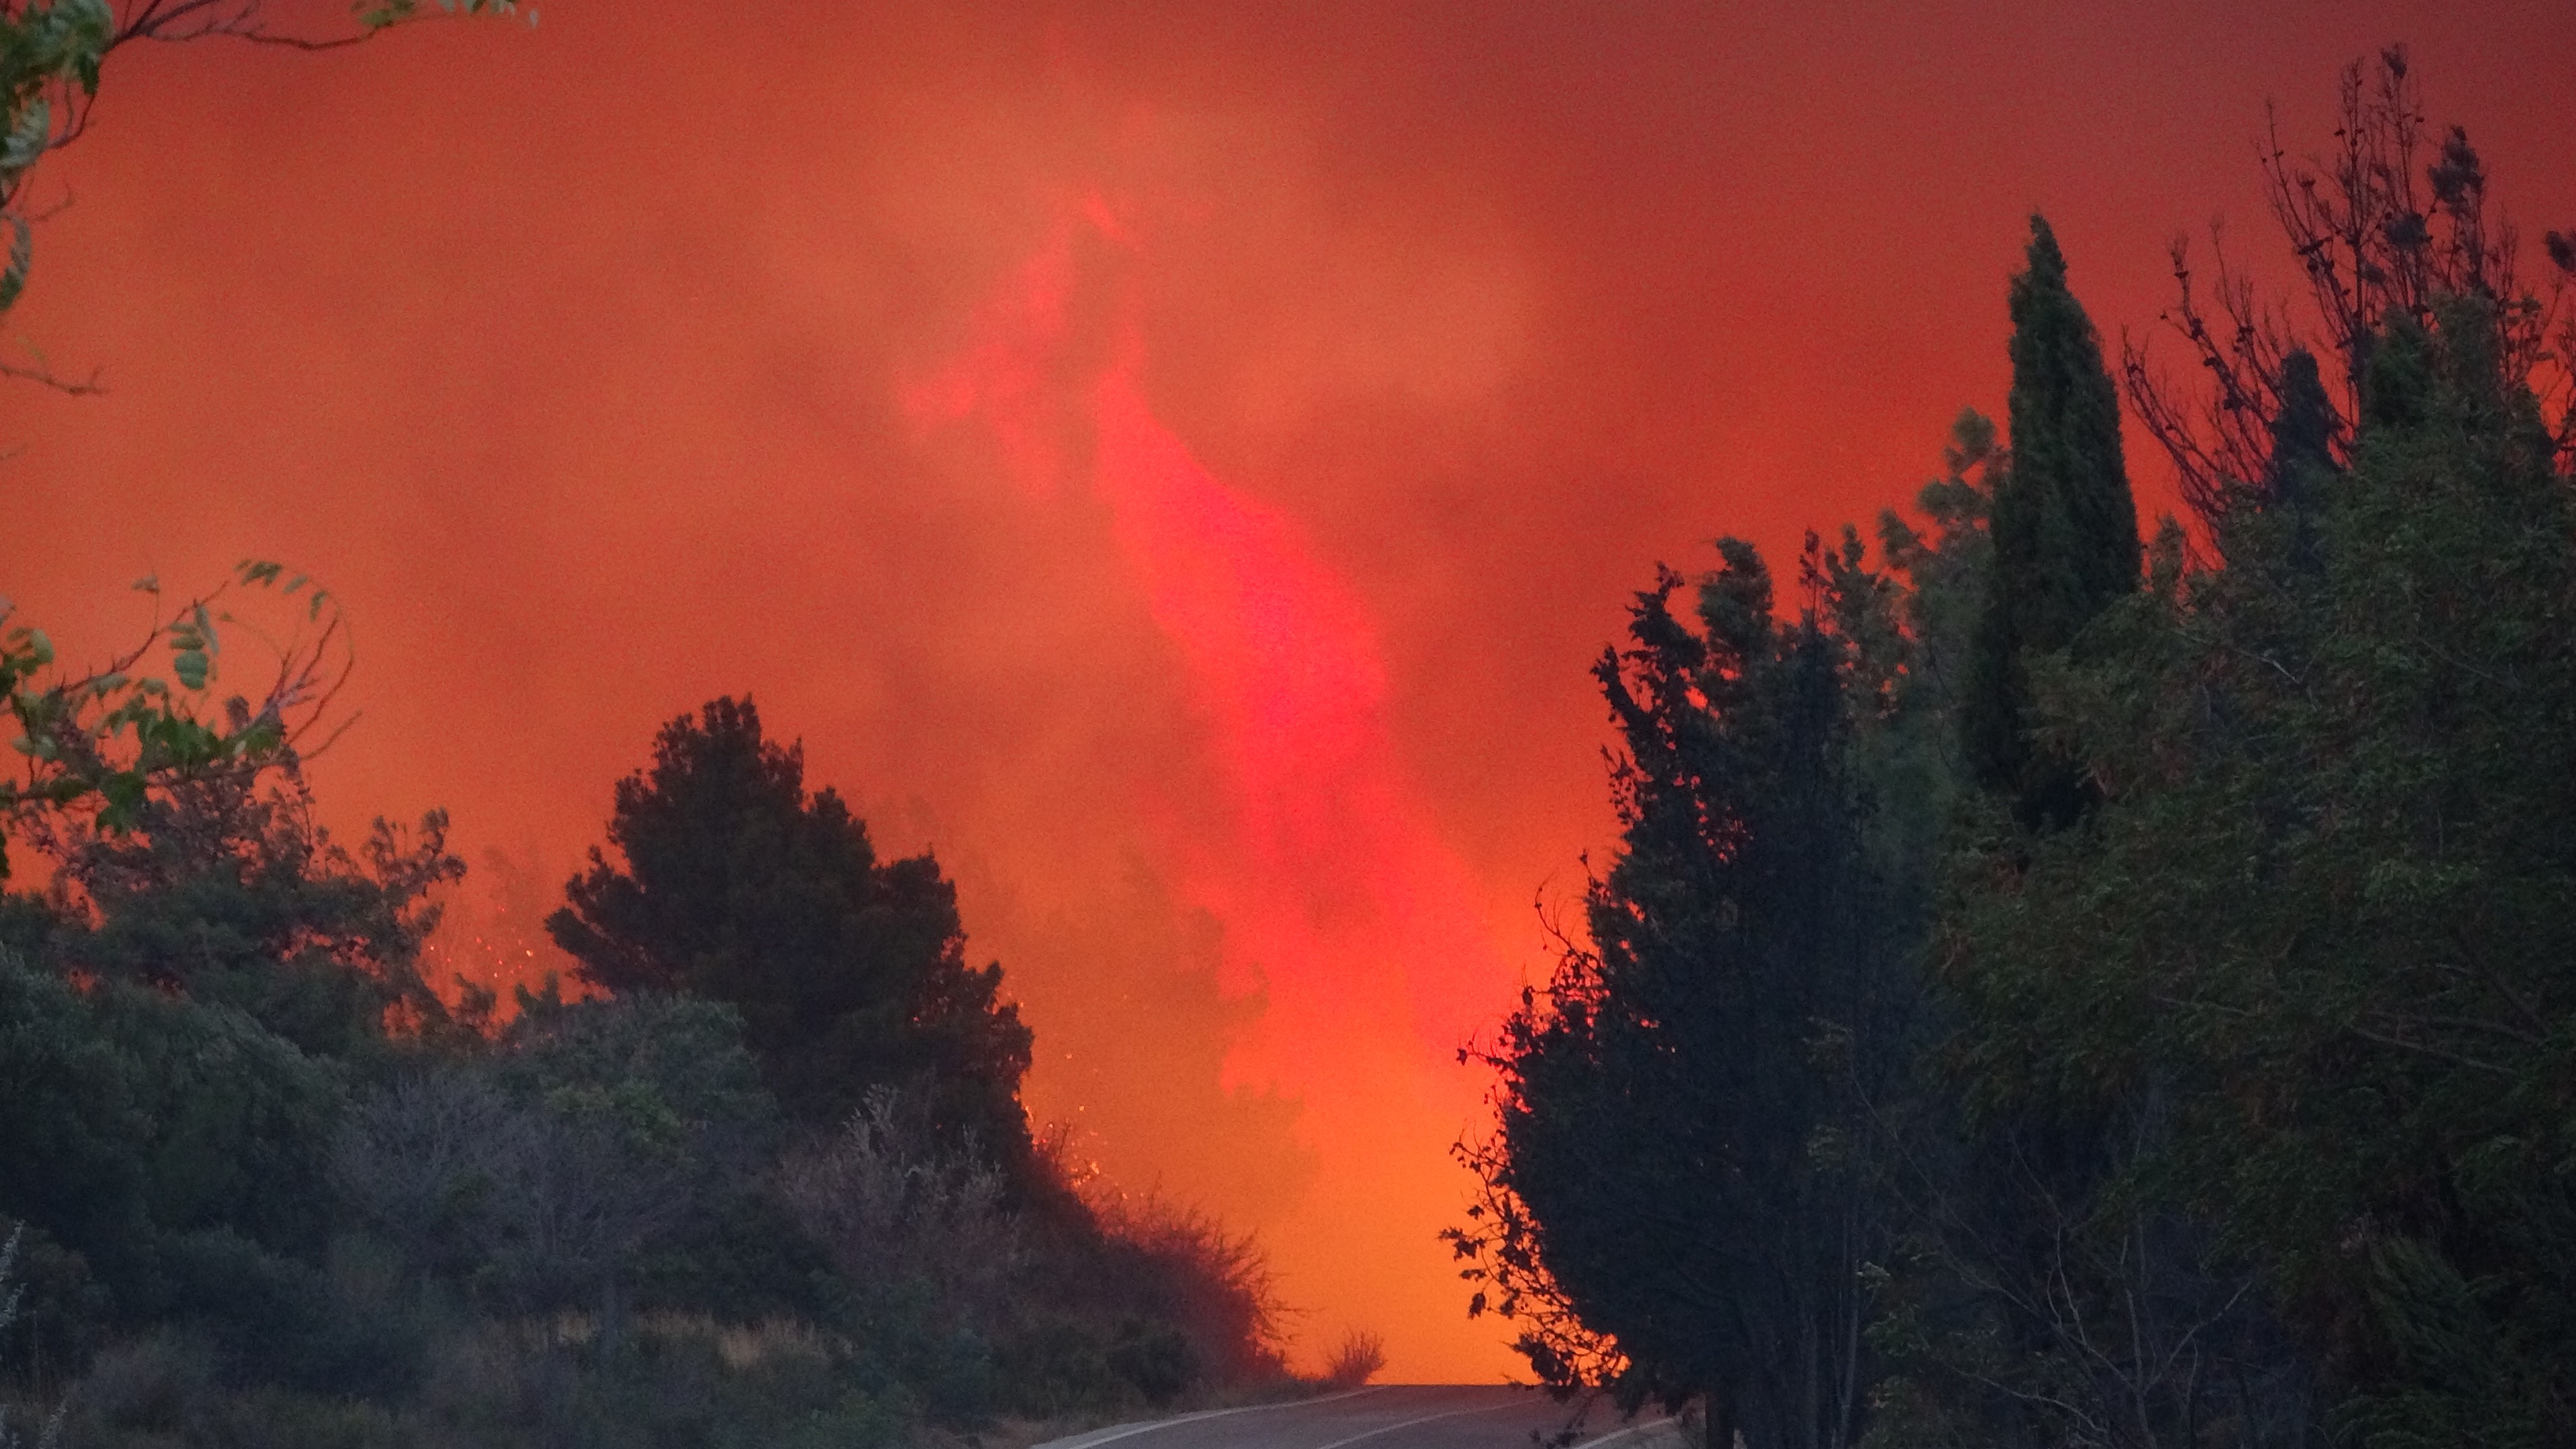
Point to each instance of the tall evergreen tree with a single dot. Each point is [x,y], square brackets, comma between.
[2323,906]
[2064,526]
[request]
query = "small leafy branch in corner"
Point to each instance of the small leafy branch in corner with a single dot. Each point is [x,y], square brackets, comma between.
[377,16]
[51,56]
[95,744]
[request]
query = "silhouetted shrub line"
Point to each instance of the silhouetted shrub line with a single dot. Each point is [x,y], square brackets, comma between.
[265,1188]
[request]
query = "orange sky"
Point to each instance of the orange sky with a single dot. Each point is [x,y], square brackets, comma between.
[1177,460]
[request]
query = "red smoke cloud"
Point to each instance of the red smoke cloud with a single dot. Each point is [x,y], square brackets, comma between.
[1229,643]
[1340,906]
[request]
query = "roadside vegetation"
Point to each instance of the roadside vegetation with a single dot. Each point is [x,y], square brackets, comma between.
[2063,989]
[763,1180]
[758,1175]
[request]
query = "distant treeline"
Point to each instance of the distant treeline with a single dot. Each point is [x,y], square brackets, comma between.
[768,1184]
[2054,991]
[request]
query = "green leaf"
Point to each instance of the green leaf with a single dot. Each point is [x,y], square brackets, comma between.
[376,16]
[69,39]
[22,251]
[124,794]
[28,136]
[191,665]
[257,740]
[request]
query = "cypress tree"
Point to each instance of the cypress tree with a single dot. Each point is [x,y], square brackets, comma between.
[2064,527]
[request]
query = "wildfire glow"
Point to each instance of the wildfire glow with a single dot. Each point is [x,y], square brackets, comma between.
[1341,906]
[1215,590]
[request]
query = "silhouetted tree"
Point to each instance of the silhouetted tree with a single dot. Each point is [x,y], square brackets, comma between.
[1679,1197]
[733,883]
[2303,433]
[2063,527]
[1946,574]
[2386,223]
[2323,906]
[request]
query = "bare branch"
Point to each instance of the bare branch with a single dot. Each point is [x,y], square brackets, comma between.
[2385,226]
[89,386]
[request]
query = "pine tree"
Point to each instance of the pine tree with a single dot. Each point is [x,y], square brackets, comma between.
[735,884]
[2064,527]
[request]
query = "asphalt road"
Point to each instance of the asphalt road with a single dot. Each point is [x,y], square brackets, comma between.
[1395,1416]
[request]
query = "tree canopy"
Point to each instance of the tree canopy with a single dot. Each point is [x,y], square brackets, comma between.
[2129,984]
[734,883]
[2063,528]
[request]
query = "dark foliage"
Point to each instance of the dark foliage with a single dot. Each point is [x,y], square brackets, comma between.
[2384,225]
[269,1190]
[735,884]
[225,888]
[2243,1118]
[1693,1091]
[2063,531]
[2326,905]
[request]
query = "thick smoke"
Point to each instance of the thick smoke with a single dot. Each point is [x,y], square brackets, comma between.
[1240,681]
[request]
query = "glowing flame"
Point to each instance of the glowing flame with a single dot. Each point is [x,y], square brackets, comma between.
[1338,898]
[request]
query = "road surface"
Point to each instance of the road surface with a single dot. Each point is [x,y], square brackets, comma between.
[1395,1416]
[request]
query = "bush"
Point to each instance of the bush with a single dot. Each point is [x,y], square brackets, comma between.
[1121,1261]
[1056,1368]
[1156,1360]
[61,1315]
[163,1385]
[892,1209]
[8,1314]
[1359,1357]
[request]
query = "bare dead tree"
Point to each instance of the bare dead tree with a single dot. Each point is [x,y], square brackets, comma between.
[2389,224]
[423,1158]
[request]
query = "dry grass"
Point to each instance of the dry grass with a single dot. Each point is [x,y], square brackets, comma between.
[748,1346]
[738,1345]
[1359,1357]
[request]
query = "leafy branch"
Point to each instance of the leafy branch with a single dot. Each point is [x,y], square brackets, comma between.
[52,53]
[96,743]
